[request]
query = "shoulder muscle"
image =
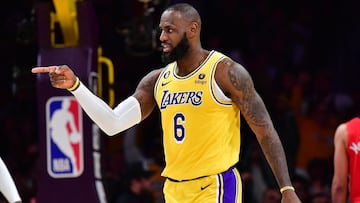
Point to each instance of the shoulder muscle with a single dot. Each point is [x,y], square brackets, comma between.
[144,92]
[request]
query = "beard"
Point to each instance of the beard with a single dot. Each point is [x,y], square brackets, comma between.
[177,53]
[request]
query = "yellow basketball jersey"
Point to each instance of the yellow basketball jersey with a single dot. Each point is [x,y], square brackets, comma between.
[201,127]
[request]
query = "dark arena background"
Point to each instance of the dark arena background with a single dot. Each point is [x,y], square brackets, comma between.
[303,56]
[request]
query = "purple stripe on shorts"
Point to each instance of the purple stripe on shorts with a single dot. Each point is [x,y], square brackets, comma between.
[229,186]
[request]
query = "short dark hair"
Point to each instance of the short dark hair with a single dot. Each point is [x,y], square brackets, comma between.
[187,10]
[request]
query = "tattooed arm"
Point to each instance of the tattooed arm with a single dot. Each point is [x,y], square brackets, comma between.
[144,93]
[237,84]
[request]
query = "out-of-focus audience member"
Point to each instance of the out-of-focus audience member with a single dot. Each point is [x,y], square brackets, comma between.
[301,185]
[320,198]
[271,195]
[138,185]
[316,134]
[319,171]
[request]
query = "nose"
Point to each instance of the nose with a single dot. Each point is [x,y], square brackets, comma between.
[162,36]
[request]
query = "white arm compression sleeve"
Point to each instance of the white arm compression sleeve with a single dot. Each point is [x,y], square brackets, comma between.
[111,121]
[7,185]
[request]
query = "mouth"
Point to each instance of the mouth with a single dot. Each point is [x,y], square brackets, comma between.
[166,48]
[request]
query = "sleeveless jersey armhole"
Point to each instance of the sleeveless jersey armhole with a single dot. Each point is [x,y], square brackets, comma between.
[216,92]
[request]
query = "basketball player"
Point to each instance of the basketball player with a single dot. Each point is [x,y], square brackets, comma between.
[7,185]
[347,162]
[200,94]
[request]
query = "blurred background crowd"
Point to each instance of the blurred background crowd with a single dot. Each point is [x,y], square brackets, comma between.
[302,55]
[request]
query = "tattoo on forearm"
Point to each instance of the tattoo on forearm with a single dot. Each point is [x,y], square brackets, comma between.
[274,153]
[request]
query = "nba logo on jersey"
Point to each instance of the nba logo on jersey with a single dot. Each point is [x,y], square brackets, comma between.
[64,137]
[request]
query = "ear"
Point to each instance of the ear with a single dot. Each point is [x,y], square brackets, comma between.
[193,29]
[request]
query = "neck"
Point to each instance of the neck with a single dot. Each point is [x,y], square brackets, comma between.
[191,61]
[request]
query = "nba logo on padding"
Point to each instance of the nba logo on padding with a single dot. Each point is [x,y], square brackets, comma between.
[64,137]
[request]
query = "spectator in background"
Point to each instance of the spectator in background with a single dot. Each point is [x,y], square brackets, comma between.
[301,185]
[320,198]
[316,134]
[271,195]
[138,187]
[319,171]
[346,176]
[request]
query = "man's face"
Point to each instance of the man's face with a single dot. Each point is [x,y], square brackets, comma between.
[177,52]
[173,37]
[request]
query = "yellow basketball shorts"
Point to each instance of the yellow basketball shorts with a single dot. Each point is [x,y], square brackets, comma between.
[225,187]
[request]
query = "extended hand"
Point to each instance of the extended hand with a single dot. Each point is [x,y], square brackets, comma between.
[60,76]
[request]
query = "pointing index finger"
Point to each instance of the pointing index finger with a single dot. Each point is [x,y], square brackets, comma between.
[43,69]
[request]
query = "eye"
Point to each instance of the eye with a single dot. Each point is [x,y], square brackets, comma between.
[169,30]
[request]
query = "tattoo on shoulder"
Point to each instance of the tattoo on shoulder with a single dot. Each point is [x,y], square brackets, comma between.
[144,90]
[148,82]
[248,100]
[240,79]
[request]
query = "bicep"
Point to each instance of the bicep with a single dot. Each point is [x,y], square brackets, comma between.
[144,93]
[238,84]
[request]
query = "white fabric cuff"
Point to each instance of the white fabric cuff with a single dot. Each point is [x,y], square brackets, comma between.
[111,121]
[7,185]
